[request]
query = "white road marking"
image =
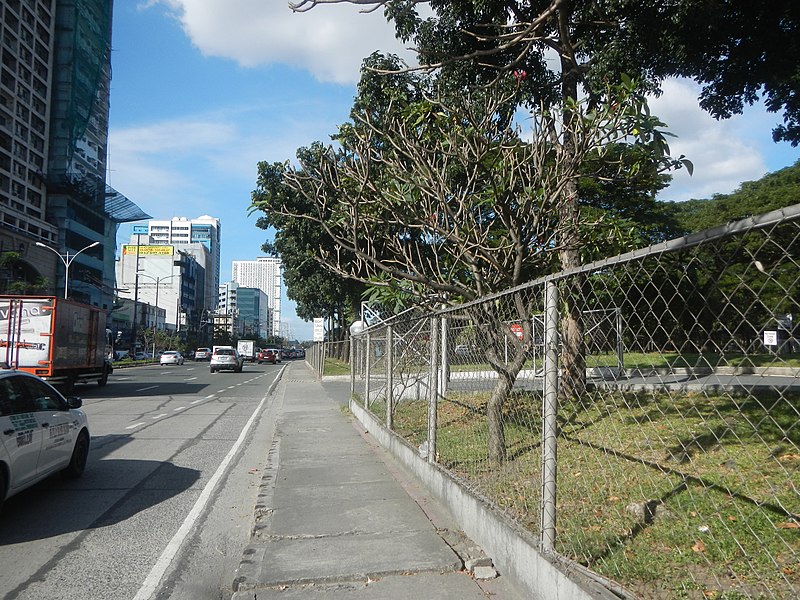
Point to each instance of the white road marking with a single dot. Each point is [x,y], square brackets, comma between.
[159,416]
[179,408]
[190,378]
[134,426]
[210,396]
[152,387]
[157,572]
[195,401]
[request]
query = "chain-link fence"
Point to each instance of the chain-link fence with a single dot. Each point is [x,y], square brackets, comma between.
[639,415]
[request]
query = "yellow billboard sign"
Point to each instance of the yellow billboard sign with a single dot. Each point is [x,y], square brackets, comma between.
[147,250]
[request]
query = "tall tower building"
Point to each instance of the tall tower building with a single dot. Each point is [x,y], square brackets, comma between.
[263,273]
[54,95]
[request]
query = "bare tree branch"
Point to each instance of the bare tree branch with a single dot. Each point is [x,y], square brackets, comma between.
[306,5]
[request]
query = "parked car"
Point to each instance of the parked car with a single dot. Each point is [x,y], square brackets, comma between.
[278,354]
[226,358]
[266,355]
[44,433]
[461,350]
[202,354]
[171,357]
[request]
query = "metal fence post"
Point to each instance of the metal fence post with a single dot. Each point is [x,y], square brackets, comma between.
[445,360]
[389,376]
[549,423]
[620,344]
[352,366]
[367,365]
[433,397]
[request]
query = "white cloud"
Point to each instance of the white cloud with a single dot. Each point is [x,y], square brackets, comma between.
[330,41]
[163,166]
[724,153]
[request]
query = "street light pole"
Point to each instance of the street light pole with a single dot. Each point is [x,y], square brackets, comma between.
[67,259]
[158,281]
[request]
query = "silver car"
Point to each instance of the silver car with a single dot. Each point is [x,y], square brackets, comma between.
[226,358]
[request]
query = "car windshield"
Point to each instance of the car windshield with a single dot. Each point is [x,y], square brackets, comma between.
[226,351]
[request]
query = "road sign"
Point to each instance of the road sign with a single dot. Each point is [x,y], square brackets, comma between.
[319,329]
[517,329]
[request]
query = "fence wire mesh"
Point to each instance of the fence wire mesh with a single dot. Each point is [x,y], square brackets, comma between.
[640,416]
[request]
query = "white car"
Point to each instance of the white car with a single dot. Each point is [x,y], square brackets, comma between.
[226,358]
[171,357]
[41,433]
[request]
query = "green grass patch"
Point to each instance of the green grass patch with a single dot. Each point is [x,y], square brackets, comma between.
[335,366]
[659,360]
[673,495]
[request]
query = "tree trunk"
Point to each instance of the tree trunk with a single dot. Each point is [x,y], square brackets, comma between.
[494,415]
[573,355]
[573,382]
[506,377]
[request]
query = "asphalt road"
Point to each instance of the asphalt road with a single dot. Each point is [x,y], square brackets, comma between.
[165,507]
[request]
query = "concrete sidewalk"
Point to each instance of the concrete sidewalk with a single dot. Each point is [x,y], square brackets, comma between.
[338,517]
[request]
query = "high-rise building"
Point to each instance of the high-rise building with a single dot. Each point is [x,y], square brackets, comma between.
[199,237]
[247,310]
[265,274]
[54,95]
[254,313]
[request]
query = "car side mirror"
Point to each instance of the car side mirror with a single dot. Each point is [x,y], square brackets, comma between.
[74,402]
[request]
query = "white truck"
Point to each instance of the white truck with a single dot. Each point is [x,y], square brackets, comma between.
[248,350]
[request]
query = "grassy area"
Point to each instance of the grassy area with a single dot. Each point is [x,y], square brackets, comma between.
[675,496]
[334,366]
[664,360]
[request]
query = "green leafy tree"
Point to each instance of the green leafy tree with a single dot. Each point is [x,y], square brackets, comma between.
[444,201]
[739,51]
[318,290]
[18,277]
[558,51]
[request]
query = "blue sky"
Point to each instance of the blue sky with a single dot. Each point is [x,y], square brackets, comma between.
[204,89]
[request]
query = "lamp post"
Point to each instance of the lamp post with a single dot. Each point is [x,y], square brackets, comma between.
[158,281]
[67,259]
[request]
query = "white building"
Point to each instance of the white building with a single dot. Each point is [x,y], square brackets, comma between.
[162,276]
[199,237]
[265,274]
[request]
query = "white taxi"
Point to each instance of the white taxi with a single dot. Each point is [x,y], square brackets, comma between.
[41,433]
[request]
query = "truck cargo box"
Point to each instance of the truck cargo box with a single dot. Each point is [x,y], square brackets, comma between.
[57,339]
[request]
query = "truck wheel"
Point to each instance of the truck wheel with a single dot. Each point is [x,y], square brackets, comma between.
[68,386]
[80,454]
[103,378]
